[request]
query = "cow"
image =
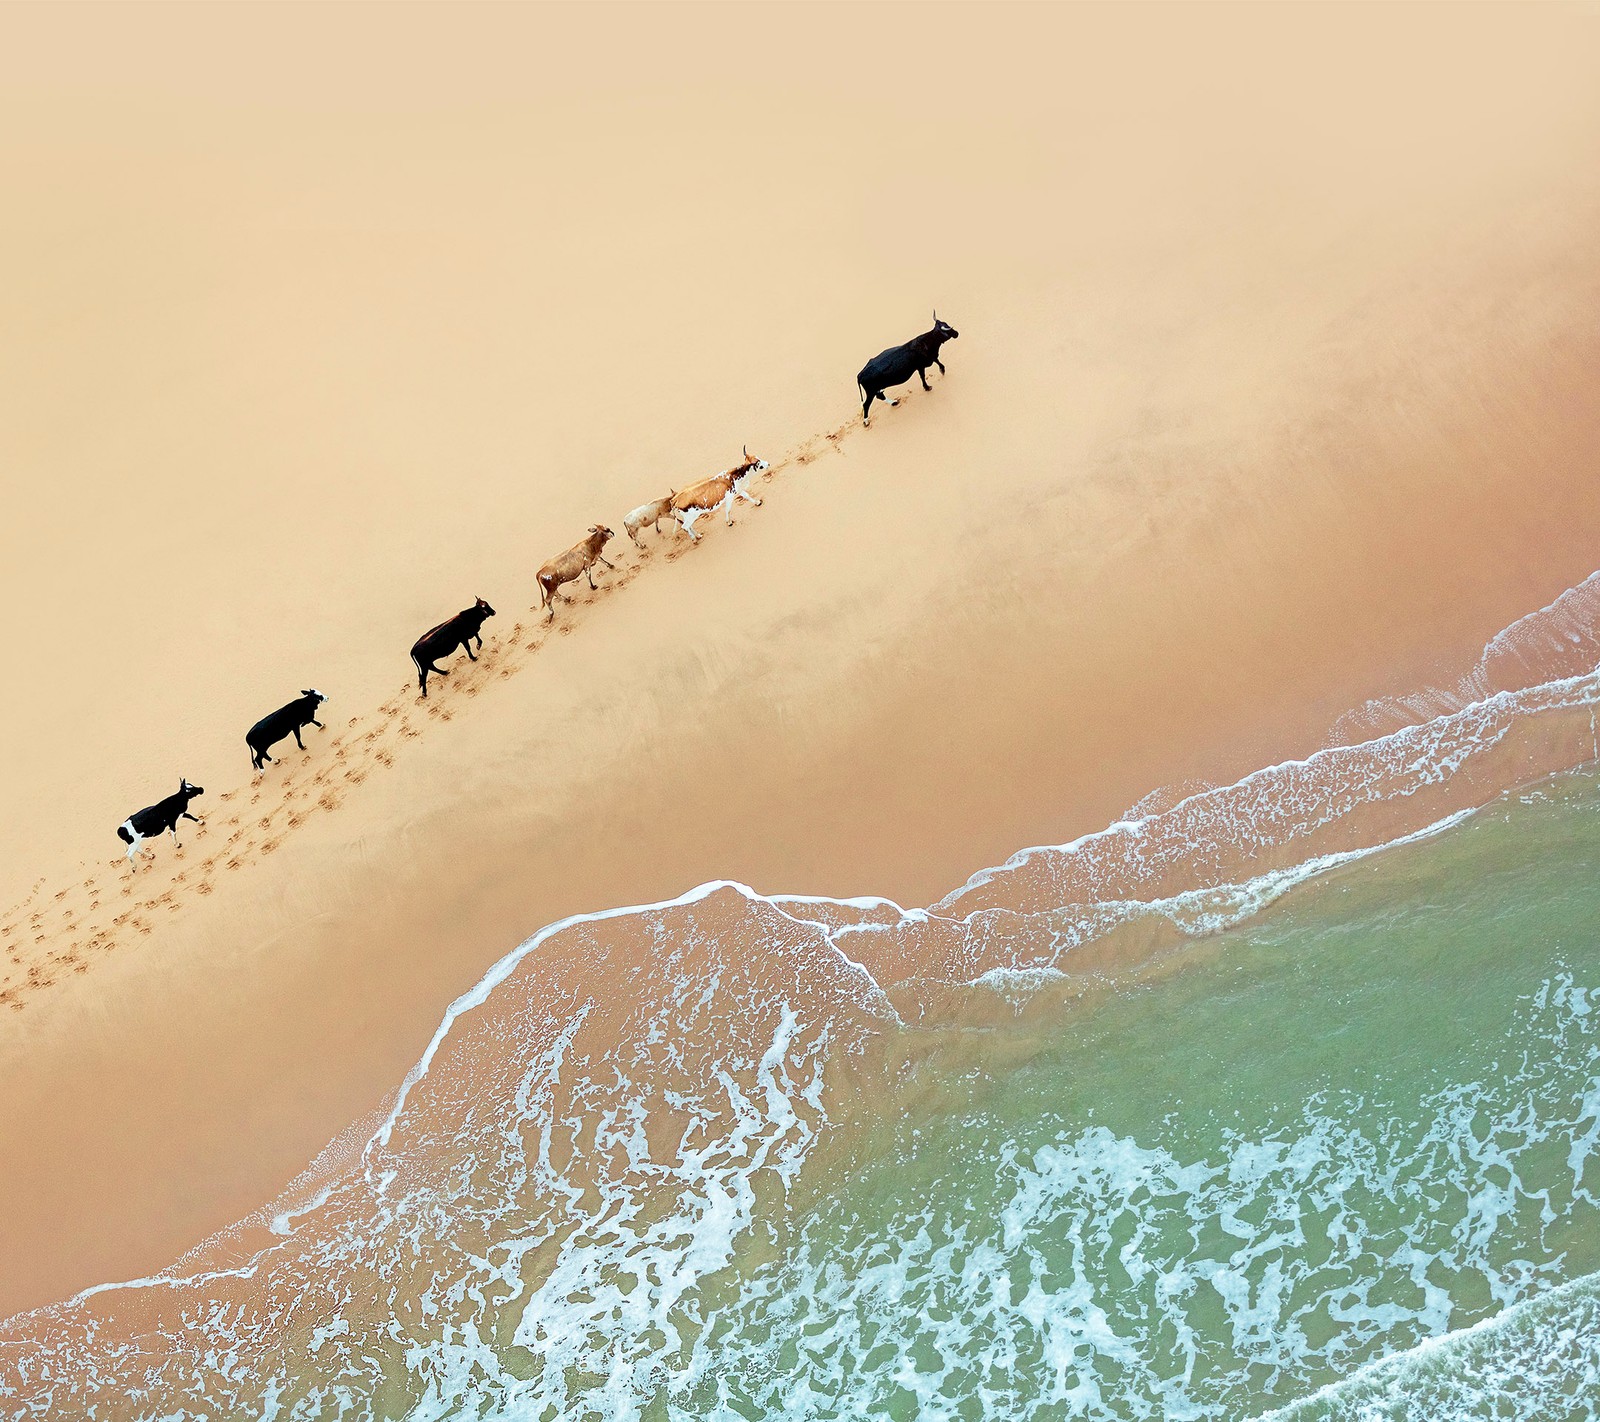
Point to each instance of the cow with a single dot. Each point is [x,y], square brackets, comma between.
[898,364]
[651,513]
[719,489]
[460,631]
[160,818]
[577,560]
[286,720]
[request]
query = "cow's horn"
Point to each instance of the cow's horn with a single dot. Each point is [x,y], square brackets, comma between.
[746,451]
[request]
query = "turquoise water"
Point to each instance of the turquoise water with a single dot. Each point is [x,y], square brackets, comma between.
[1368,1119]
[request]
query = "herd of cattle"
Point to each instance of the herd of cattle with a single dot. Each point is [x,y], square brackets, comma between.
[884,371]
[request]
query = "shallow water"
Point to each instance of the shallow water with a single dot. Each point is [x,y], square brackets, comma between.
[1369,1121]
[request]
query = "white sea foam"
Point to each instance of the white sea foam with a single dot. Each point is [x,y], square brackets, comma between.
[1560,639]
[1537,1361]
[1121,1279]
[1277,808]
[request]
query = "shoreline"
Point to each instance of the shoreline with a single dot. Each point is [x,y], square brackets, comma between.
[232,1234]
[253,1239]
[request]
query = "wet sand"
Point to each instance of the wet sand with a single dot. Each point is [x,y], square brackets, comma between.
[1262,406]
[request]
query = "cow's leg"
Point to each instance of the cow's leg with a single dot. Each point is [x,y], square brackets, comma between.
[318,724]
[866,407]
[686,522]
[172,829]
[188,816]
[922,372]
[297,739]
[602,557]
[739,489]
[133,845]
[588,572]
[940,364]
[480,641]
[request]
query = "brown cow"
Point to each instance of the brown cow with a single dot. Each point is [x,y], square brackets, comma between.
[577,560]
[720,489]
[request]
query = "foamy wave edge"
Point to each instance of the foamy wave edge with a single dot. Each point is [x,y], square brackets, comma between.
[1537,1346]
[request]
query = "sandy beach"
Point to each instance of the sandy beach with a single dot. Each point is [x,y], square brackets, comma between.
[331,325]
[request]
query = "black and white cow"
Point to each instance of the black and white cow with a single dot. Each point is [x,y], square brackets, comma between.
[159,818]
[285,721]
[898,364]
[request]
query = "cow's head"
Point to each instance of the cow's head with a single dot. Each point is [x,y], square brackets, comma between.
[185,788]
[601,532]
[751,465]
[317,698]
[943,329]
[482,608]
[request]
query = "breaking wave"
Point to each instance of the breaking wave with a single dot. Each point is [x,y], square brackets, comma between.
[1539,1360]
[1560,639]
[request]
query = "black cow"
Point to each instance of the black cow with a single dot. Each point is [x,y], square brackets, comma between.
[898,364]
[440,641]
[286,720]
[159,818]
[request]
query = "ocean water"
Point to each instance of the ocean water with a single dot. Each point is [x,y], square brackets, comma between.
[1339,1135]
[1275,1099]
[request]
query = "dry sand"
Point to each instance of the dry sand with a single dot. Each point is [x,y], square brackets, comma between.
[1275,391]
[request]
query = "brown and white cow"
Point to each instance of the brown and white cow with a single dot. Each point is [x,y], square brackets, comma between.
[577,561]
[722,488]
